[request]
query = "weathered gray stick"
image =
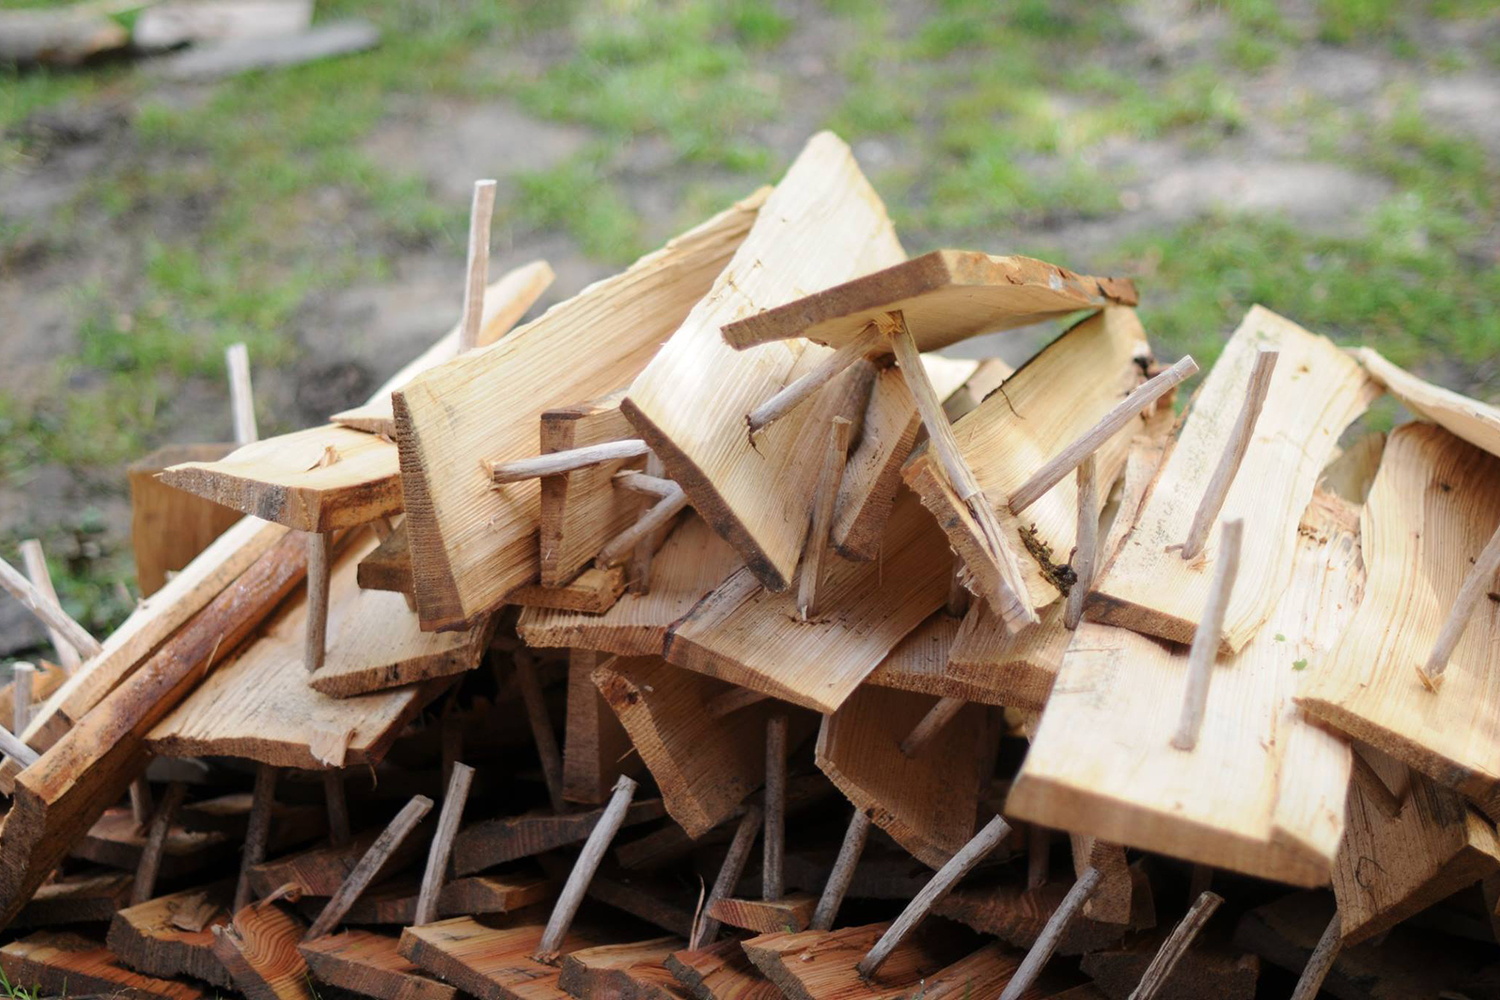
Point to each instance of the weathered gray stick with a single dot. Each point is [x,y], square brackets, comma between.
[843,871]
[1476,584]
[442,843]
[542,732]
[47,611]
[648,483]
[795,392]
[1086,553]
[1205,647]
[931,724]
[319,565]
[257,828]
[12,746]
[815,553]
[35,564]
[618,549]
[556,463]
[1320,961]
[1175,946]
[144,887]
[241,399]
[729,874]
[481,213]
[1047,941]
[588,861]
[368,866]
[773,843]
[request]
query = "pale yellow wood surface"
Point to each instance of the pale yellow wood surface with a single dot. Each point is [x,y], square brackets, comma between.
[1316,392]
[821,225]
[1476,422]
[472,543]
[167,526]
[595,591]
[379,645]
[1101,762]
[1434,505]
[750,636]
[946,296]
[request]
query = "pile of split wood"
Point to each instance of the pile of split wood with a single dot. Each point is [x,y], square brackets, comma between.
[751,650]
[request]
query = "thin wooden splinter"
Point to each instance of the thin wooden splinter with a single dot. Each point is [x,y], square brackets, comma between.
[47,611]
[1320,962]
[442,843]
[556,463]
[729,875]
[732,700]
[481,212]
[1086,552]
[241,399]
[815,555]
[1175,946]
[931,724]
[1038,856]
[319,565]
[936,889]
[618,549]
[1205,646]
[530,683]
[11,746]
[144,887]
[24,678]
[583,870]
[1476,584]
[1052,932]
[795,392]
[35,564]
[257,830]
[339,833]
[1234,454]
[1089,441]
[843,871]
[773,843]
[369,865]
[140,802]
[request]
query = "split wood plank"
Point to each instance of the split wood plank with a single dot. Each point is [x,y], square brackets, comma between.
[490,963]
[1001,904]
[388,566]
[168,527]
[721,971]
[496,841]
[481,214]
[596,749]
[946,295]
[61,963]
[259,950]
[1430,512]
[379,645]
[657,901]
[1147,585]
[705,766]
[146,936]
[792,912]
[594,591]
[86,898]
[690,401]
[748,635]
[505,301]
[1112,901]
[367,963]
[631,971]
[471,543]
[927,802]
[1263,792]
[395,901]
[1476,422]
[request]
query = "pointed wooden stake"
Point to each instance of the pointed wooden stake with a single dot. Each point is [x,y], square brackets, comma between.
[1205,648]
[843,871]
[773,843]
[257,829]
[729,875]
[442,844]
[1047,941]
[1038,856]
[618,549]
[1234,454]
[1089,442]
[23,680]
[369,865]
[1320,962]
[583,871]
[481,213]
[144,887]
[35,564]
[934,892]
[795,392]
[241,399]
[1476,584]
[11,746]
[556,463]
[931,724]
[47,611]
[1175,946]
[338,807]
[1086,553]
[732,700]
[319,565]
[530,683]
[815,553]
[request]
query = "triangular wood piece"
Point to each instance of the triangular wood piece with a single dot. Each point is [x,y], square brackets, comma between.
[60,963]
[367,963]
[381,646]
[148,939]
[117,840]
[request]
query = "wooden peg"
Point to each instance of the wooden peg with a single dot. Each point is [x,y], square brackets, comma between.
[773,843]
[583,870]
[843,871]
[35,564]
[815,553]
[1052,932]
[319,565]
[241,399]
[1377,792]
[1476,584]
[48,611]
[732,700]
[730,871]
[1016,598]
[1090,440]
[618,549]
[638,580]
[144,887]
[334,795]
[257,830]
[556,463]
[141,807]
[937,888]
[1205,648]
[1038,856]
[1320,961]
[1175,946]
[23,680]
[530,683]
[826,371]
[442,843]
[369,865]
[931,724]
[481,213]
[1086,553]
[12,746]
[648,483]
[958,594]
[1234,454]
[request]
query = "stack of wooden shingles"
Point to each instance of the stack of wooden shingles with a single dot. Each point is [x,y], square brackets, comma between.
[1250,639]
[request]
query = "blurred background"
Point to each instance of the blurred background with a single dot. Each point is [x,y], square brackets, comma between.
[1336,160]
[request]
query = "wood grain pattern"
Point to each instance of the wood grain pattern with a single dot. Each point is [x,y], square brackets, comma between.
[167,526]
[1476,422]
[792,912]
[1263,792]
[117,840]
[1317,392]
[319,871]
[594,591]
[489,962]
[721,971]
[92,896]
[471,544]
[388,566]
[1430,512]
[822,224]
[631,971]
[60,963]
[1002,905]
[379,645]
[259,949]
[367,963]
[147,939]
[595,745]
[495,841]
[1210,968]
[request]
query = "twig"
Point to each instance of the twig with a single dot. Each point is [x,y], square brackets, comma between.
[1205,648]
[1051,936]
[815,553]
[1176,945]
[368,866]
[789,396]
[144,887]
[729,874]
[319,565]
[938,716]
[442,843]
[47,611]
[481,212]
[338,807]
[1320,961]
[583,870]
[1234,453]
[618,549]
[35,564]
[773,843]
[556,463]
[241,399]
[257,827]
[542,732]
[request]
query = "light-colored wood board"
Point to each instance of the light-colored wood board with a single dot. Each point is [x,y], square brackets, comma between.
[1430,511]
[752,637]
[495,841]
[1476,422]
[259,950]
[792,912]
[1111,901]
[472,543]
[946,296]
[146,938]
[596,749]
[594,591]
[822,224]
[928,803]
[60,963]
[379,645]
[690,563]
[1316,392]
[89,897]
[489,962]
[1102,764]
[367,963]
[721,971]
[388,566]
[167,526]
